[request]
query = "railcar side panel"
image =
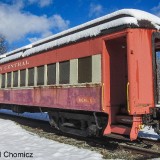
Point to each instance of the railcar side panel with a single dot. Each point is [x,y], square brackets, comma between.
[79,98]
[72,51]
[140,71]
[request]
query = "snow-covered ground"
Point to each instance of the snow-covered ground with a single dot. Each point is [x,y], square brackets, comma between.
[39,116]
[16,141]
[148,132]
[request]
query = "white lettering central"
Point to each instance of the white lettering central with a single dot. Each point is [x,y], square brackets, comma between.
[14,65]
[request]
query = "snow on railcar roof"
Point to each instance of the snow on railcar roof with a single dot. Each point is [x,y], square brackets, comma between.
[130,17]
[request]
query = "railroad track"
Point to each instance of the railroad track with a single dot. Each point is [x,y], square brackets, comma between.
[142,147]
[150,141]
[143,151]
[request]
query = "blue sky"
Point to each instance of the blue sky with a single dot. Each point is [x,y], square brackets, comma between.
[25,21]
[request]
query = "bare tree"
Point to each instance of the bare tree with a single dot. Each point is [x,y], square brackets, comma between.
[3,45]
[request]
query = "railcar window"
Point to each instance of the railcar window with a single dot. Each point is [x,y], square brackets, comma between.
[51,74]
[15,79]
[85,69]
[9,79]
[22,77]
[31,77]
[64,72]
[40,76]
[3,81]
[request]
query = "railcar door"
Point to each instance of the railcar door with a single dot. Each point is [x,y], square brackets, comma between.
[156,67]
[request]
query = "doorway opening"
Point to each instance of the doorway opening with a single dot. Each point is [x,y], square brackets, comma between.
[117,50]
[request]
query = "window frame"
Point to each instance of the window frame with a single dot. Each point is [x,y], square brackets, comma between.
[33,83]
[37,82]
[61,72]
[82,67]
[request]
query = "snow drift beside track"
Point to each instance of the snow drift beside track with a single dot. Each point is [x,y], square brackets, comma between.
[18,142]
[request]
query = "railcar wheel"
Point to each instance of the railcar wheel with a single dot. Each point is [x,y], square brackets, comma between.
[78,123]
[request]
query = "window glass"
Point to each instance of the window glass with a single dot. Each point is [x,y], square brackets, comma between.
[31,77]
[40,76]
[22,77]
[51,74]
[9,79]
[15,79]
[85,69]
[3,81]
[64,72]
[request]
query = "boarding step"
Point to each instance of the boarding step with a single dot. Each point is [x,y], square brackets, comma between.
[124,119]
[120,129]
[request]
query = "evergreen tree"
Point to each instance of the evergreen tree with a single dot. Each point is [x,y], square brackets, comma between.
[3,45]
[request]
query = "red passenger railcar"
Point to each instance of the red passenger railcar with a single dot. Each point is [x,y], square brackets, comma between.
[99,78]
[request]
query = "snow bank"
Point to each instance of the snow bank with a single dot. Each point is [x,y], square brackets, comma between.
[148,133]
[39,116]
[89,29]
[15,140]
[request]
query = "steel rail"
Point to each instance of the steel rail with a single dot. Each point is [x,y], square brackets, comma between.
[140,150]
